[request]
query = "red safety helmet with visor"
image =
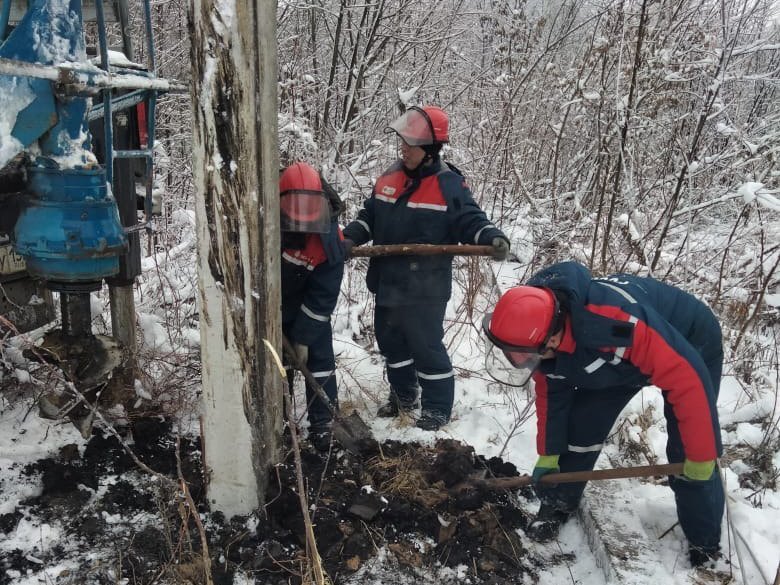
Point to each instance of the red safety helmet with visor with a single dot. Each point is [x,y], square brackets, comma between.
[518,331]
[422,126]
[302,202]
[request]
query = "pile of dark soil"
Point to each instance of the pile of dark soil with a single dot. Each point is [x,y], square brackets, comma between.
[397,498]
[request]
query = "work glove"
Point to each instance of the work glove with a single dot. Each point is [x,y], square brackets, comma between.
[544,465]
[500,248]
[301,353]
[348,245]
[698,470]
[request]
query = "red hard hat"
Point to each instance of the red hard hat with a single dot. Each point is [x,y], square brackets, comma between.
[303,205]
[440,122]
[524,317]
[422,126]
[299,177]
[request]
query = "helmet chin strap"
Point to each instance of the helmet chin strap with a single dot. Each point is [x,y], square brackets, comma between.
[431,156]
[432,151]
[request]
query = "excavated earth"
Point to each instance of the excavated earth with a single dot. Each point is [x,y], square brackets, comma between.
[122,525]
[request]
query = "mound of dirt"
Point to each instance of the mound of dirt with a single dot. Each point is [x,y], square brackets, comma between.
[397,499]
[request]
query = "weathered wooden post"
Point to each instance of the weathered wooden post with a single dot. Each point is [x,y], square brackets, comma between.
[236,168]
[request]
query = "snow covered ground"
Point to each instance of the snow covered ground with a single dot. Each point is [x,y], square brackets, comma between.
[485,417]
[495,420]
[500,421]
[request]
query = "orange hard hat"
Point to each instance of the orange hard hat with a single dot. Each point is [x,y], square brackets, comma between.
[422,126]
[303,204]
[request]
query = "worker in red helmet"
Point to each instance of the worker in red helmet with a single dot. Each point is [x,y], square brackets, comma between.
[312,267]
[419,200]
[590,344]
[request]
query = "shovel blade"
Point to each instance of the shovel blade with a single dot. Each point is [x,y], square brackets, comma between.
[353,433]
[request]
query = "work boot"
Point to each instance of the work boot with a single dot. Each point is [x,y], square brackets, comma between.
[703,557]
[394,407]
[547,523]
[432,420]
[320,437]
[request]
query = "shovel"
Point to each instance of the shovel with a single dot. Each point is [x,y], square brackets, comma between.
[351,431]
[420,250]
[499,483]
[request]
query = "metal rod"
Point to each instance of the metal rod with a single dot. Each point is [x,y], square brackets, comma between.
[76,314]
[420,250]
[90,78]
[118,104]
[149,36]
[108,123]
[124,23]
[133,154]
[151,108]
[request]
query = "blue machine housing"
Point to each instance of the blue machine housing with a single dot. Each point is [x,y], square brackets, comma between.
[69,231]
[45,25]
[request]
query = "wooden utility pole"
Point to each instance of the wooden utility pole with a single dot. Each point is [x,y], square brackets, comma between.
[236,170]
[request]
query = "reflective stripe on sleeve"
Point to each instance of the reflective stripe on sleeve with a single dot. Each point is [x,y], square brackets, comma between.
[299,261]
[595,365]
[618,290]
[365,226]
[327,374]
[482,229]
[431,206]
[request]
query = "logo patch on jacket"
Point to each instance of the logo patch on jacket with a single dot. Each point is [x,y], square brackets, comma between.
[388,190]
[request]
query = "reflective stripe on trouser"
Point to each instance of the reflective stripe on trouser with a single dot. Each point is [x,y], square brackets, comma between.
[592,414]
[322,365]
[410,339]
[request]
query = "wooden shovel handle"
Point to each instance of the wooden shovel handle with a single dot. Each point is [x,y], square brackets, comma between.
[576,476]
[420,250]
[292,356]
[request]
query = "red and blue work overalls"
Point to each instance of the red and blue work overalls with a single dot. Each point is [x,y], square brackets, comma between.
[625,332]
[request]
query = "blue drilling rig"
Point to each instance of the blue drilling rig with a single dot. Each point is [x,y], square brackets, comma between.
[76,155]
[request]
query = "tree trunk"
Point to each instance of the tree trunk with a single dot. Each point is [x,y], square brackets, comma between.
[236,165]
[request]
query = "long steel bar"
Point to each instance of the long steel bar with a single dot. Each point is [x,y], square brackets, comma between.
[94,77]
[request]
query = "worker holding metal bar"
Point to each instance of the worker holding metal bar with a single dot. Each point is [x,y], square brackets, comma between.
[312,269]
[590,344]
[419,200]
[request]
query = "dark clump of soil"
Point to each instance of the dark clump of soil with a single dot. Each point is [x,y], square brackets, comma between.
[401,497]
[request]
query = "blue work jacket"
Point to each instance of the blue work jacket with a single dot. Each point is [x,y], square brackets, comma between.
[311,279]
[432,206]
[630,331]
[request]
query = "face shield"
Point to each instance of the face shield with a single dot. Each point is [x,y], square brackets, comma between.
[414,127]
[509,364]
[304,211]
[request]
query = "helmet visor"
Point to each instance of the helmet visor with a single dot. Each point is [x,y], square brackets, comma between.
[504,370]
[304,211]
[414,127]
[507,363]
